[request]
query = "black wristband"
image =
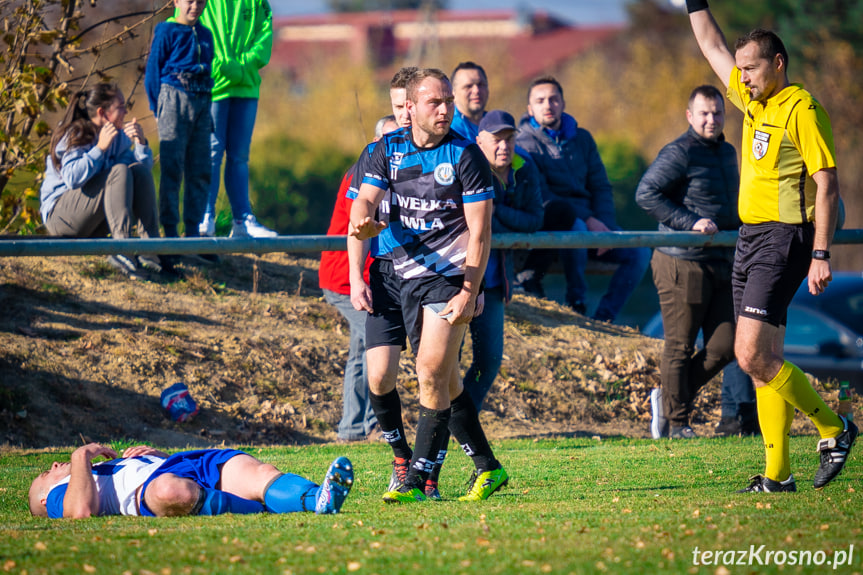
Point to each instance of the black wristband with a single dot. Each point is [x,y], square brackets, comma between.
[820,255]
[695,5]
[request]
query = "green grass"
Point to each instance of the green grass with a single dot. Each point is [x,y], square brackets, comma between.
[572,506]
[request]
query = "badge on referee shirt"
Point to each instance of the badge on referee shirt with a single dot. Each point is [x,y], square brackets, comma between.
[760,143]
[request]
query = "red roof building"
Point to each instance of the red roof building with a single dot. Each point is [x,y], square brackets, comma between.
[530,42]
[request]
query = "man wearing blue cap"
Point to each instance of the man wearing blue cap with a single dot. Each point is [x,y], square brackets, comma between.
[517,209]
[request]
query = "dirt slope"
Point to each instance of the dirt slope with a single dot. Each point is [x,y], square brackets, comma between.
[84,355]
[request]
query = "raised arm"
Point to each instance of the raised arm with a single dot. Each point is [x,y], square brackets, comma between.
[710,39]
[82,498]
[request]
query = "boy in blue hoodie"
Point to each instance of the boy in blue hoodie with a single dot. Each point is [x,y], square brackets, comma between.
[179,87]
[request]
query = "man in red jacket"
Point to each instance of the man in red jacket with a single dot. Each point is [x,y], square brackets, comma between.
[358,419]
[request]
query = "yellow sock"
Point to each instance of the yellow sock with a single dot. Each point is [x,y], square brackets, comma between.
[794,387]
[774,416]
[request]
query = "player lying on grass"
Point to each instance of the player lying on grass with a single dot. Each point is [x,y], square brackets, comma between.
[146,481]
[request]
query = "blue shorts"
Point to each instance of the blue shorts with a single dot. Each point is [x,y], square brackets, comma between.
[203,466]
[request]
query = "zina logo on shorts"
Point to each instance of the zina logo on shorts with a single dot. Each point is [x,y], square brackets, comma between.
[444,174]
[760,143]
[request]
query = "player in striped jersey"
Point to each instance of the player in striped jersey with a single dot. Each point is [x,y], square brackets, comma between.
[441,200]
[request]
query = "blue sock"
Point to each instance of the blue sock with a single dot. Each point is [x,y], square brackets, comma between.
[215,502]
[291,493]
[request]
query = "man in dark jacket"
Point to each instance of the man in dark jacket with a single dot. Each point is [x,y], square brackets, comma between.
[692,186]
[577,197]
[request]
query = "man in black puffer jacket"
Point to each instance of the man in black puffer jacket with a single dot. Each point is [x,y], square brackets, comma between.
[692,186]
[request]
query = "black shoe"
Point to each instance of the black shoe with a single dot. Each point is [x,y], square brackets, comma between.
[577,306]
[728,427]
[749,427]
[169,266]
[761,484]
[682,432]
[834,453]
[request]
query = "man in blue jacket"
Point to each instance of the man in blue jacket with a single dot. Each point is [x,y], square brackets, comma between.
[692,186]
[578,197]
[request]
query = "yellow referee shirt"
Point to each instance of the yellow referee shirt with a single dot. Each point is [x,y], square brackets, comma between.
[785,141]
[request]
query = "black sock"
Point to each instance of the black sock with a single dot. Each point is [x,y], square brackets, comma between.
[171,231]
[431,428]
[388,410]
[441,456]
[464,425]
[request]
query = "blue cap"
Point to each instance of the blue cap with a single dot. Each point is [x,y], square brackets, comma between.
[497,121]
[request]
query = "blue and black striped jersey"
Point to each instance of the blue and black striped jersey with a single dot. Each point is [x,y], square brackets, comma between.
[428,188]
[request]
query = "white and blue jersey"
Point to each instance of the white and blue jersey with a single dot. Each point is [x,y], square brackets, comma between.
[428,188]
[117,482]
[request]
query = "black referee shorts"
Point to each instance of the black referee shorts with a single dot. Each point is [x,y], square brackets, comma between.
[771,261]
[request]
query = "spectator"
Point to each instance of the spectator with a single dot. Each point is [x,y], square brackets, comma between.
[692,186]
[178,85]
[358,417]
[243,34]
[470,89]
[578,198]
[95,183]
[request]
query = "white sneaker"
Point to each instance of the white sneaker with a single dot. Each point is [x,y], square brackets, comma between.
[658,423]
[249,227]
[207,228]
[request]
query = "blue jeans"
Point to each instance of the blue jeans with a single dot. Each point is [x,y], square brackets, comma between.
[486,333]
[358,418]
[233,122]
[737,389]
[632,263]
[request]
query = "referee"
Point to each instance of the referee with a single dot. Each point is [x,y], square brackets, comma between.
[789,196]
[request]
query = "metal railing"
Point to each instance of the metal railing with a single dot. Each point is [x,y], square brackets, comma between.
[28,246]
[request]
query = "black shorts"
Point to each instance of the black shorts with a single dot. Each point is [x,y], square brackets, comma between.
[771,261]
[417,293]
[386,325]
